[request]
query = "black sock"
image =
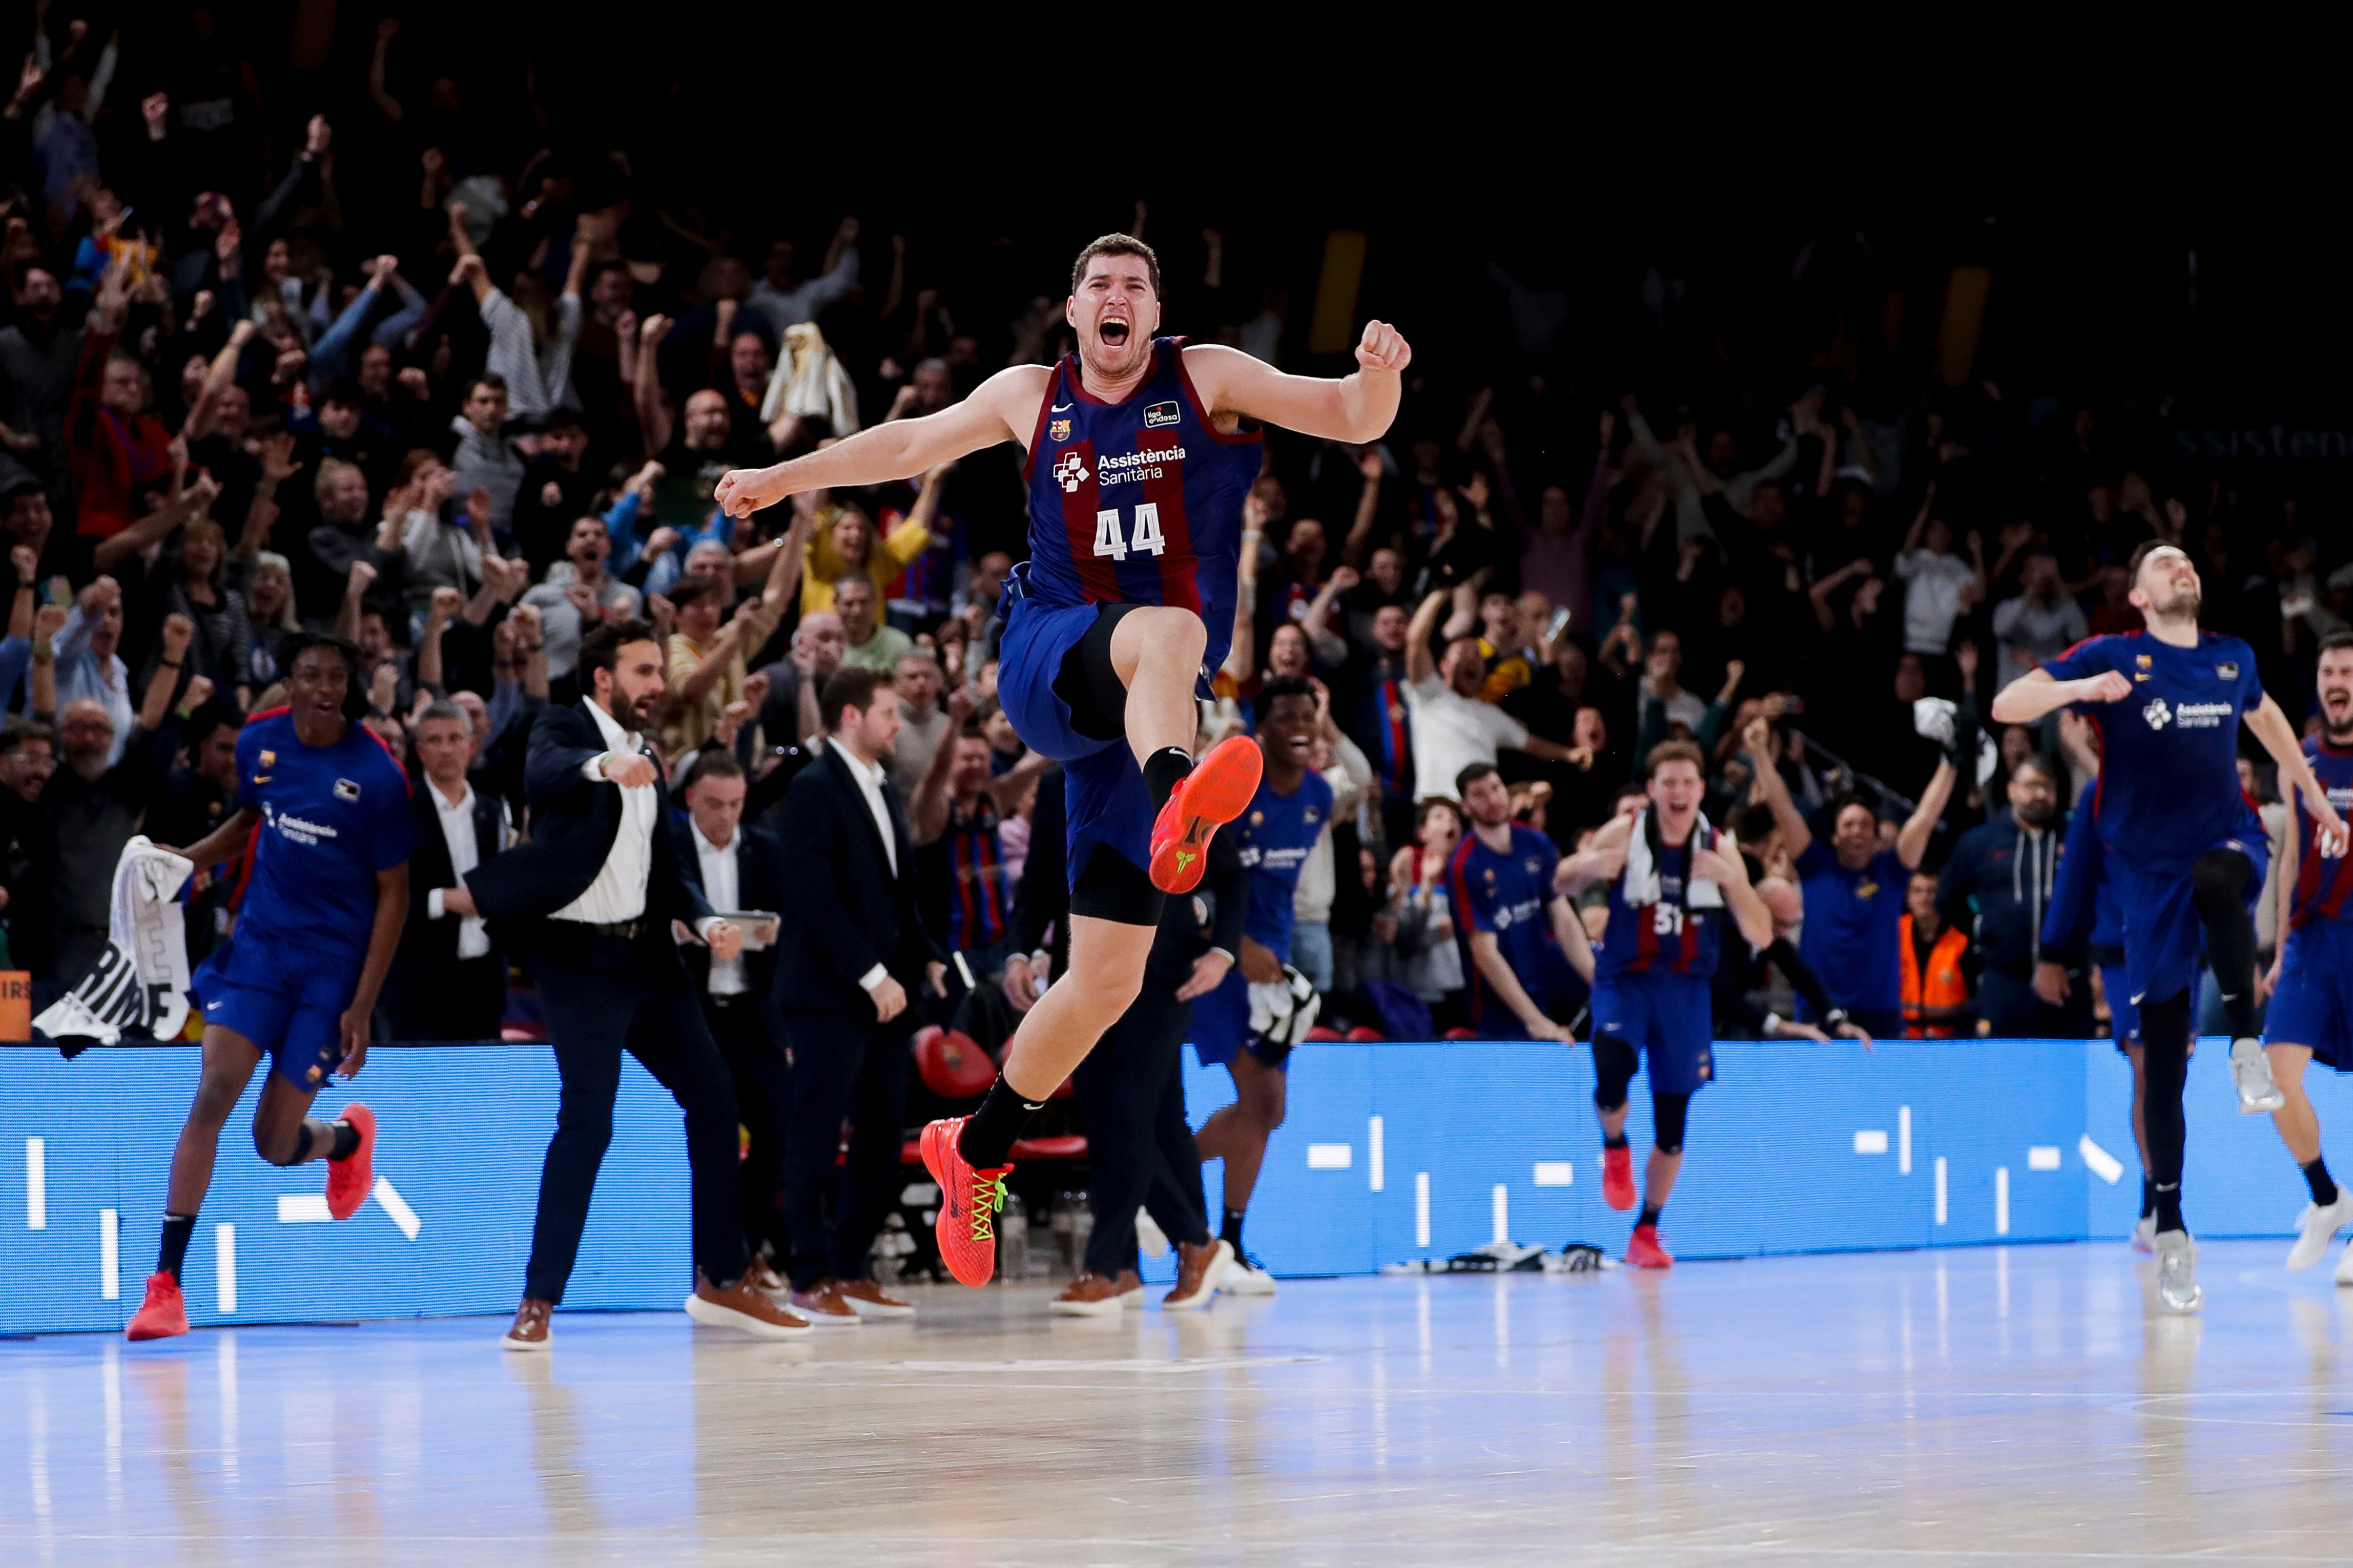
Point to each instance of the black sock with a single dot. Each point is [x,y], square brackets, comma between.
[2169,1208]
[2147,1198]
[1164,770]
[177,1229]
[1614,1139]
[990,1133]
[1650,1215]
[1232,1230]
[2316,1176]
[347,1139]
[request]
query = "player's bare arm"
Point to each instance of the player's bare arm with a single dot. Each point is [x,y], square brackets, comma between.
[1599,861]
[1758,742]
[1488,954]
[226,842]
[1569,932]
[1358,407]
[1723,866]
[2036,693]
[1912,839]
[1002,408]
[2279,737]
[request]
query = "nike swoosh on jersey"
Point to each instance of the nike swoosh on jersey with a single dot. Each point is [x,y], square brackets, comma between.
[1061,408]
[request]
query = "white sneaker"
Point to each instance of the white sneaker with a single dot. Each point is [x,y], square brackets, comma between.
[2177,1289]
[2250,1071]
[2344,1266]
[1149,1236]
[1246,1276]
[2316,1226]
[2144,1235]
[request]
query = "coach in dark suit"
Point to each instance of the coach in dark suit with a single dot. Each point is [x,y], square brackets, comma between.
[738,867]
[450,978]
[593,900]
[853,953]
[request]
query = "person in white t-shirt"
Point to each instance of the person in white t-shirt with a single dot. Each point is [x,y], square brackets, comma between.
[1451,727]
[1939,587]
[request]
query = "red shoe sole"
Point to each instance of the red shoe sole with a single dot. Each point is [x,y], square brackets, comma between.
[941,1160]
[1218,790]
[349,1182]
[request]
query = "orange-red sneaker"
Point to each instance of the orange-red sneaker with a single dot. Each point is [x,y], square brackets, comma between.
[352,1178]
[1218,790]
[1617,1177]
[1643,1251]
[163,1315]
[969,1199]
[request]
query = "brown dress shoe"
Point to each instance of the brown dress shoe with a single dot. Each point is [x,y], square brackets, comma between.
[1088,1296]
[743,1307]
[822,1305]
[530,1327]
[1198,1269]
[767,1281]
[1130,1288]
[869,1300]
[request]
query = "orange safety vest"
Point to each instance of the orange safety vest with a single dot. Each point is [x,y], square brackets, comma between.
[1943,986]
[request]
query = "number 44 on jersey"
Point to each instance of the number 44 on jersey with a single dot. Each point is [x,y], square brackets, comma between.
[1144,540]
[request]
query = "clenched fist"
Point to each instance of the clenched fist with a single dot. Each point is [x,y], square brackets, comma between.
[1384,348]
[743,492]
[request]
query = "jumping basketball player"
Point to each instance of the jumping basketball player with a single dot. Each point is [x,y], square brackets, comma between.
[2311,980]
[2187,847]
[1141,450]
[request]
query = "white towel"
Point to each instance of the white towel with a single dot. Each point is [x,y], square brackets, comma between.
[140,985]
[1643,872]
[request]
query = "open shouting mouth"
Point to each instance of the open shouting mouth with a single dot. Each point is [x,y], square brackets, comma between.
[1114,333]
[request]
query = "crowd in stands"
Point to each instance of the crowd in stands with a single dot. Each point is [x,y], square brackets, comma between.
[460,400]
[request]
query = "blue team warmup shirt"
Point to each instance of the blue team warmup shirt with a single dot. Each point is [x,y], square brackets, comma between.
[332,818]
[1275,837]
[1853,931]
[1509,892]
[2168,788]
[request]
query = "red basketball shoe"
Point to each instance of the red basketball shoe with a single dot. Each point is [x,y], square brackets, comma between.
[969,1199]
[351,1179]
[1218,790]
[1617,1177]
[163,1315]
[1643,1251]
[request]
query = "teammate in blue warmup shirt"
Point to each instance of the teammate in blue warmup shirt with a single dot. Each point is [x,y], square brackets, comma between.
[1275,835]
[2311,978]
[323,808]
[1854,889]
[2182,841]
[1530,964]
[1140,452]
[1672,881]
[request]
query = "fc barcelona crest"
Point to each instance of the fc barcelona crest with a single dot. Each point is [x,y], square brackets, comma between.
[1058,431]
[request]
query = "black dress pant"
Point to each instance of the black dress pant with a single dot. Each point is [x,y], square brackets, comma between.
[604,996]
[466,1000]
[1140,1149]
[764,1101]
[842,1068]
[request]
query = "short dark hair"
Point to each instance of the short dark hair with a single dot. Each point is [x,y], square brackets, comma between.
[693,586]
[16,732]
[1116,244]
[852,686]
[601,648]
[1667,751]
[2043,762]
[1838,805]
[2148,548]
[2337,640]
[711,762]
[1472,774]
[1754,823]
[1275,689]
[295,643]
[489,378]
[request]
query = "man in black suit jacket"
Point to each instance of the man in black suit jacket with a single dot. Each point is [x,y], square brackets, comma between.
[853,952]
[593,900]
[449,977]
[739,868]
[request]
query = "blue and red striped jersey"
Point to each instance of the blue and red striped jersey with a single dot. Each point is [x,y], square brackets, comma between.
[2322,882]
[1138,502]
[980,896]
[1661,938]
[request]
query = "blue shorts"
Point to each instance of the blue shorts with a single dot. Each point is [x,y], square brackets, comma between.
[287,1000]
[1669,1018]
[1221,1029]
[1557,990]
[2163,935]
[2313,1003]
[2124,1014]
[1101,782]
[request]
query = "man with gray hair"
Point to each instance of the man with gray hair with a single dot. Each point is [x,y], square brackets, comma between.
[449,980]
[870,643]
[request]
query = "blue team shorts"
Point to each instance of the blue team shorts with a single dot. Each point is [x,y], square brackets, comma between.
[1557,989]
[1221,1029]
[2163,936]
[1669,1018]
[288,1002]
[2124,1014]
[1102,782]
[2313,1003]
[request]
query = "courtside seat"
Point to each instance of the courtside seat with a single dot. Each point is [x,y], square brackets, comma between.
[1323,1035]
[1361,1035]
[1062,1146]
[952,1065]
[1459,1033]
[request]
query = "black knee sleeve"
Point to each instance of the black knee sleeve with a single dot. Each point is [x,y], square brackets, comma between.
[2219,882]
[1613,1069]
[2164,1057]
[1668,1114]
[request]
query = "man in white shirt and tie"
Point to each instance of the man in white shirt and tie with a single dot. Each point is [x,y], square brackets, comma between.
[449,980]
[594,898]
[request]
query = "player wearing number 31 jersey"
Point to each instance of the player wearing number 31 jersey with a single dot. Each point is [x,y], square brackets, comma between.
[1140,449]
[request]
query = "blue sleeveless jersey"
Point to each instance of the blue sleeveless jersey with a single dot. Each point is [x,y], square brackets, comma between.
[1138,502]
[2322,885]
[1663,938]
